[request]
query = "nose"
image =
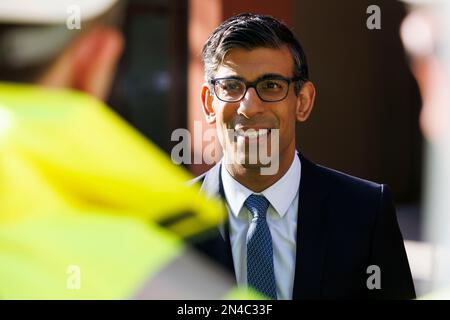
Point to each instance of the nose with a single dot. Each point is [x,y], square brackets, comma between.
[251,104]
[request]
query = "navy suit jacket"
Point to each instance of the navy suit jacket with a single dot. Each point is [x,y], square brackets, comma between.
[345,225]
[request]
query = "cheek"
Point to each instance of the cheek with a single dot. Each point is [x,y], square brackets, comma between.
[225,115]
[287,122]
[224,118]
[287,118]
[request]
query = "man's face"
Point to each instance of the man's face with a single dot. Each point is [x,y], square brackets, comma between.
[251,112]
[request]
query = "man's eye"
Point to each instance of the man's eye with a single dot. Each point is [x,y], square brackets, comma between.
[271,85]
[230,86]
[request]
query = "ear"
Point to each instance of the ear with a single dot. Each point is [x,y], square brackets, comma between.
[207,104]
[305,101]
[97,56]
[88,64]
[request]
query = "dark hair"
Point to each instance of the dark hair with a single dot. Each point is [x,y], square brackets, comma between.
[250,31]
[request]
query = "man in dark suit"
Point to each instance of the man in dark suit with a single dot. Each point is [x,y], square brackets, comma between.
[300,231]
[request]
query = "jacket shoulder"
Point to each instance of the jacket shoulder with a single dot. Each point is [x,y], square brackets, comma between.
[349,191]
[345,182]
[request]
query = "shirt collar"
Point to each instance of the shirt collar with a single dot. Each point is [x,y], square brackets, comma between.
[280,194]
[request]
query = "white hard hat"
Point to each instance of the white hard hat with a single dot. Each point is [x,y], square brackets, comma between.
[50,11]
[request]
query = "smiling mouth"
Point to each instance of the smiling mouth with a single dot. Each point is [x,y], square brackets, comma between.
[253,133]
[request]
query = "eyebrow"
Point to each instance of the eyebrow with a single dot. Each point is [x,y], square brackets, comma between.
[271,76]
[262,77]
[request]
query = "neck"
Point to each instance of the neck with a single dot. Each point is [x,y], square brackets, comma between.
[251,177]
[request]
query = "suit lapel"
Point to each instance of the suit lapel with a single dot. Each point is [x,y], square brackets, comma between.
[311,233]
[219,247]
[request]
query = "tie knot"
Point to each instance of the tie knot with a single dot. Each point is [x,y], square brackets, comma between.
[257,205]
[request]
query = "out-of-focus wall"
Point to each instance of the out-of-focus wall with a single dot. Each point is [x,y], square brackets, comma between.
[365,120]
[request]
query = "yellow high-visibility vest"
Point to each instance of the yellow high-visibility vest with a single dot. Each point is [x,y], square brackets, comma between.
[83,197]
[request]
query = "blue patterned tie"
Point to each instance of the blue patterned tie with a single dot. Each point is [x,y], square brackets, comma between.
[260,272]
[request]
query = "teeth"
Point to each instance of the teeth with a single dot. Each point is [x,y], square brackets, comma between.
[252,134]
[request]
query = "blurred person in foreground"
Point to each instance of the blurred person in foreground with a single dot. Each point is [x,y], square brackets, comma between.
[302,231]
[89,209]
[425,33]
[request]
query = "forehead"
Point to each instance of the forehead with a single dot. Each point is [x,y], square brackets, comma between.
[251,64]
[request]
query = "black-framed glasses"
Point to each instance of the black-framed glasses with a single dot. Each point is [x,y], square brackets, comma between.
[268,88]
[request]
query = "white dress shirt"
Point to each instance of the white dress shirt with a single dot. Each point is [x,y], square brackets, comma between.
[281,218]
